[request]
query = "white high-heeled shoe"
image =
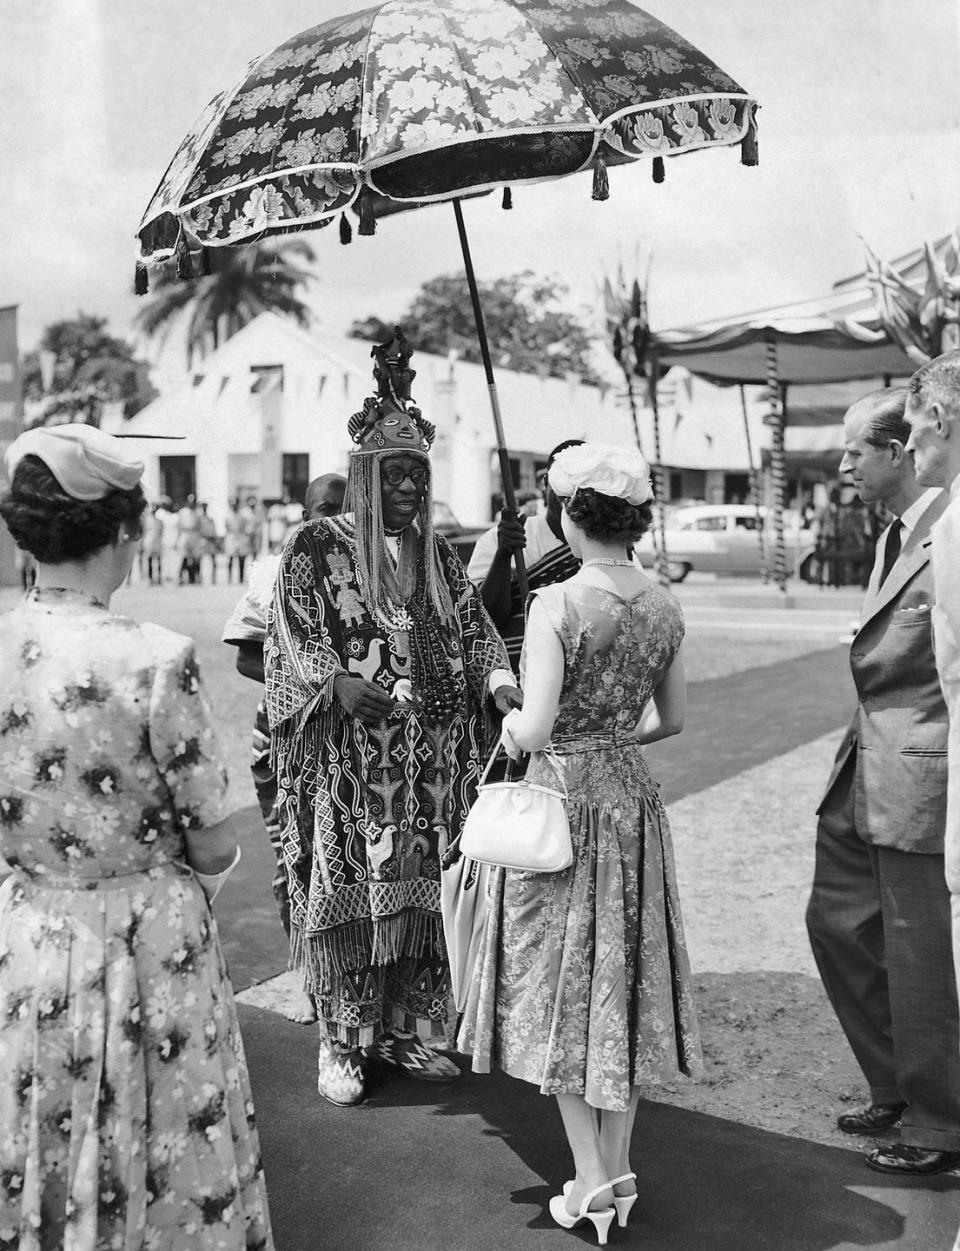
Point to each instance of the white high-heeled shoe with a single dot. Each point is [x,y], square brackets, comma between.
[601,1218]
[622,1203]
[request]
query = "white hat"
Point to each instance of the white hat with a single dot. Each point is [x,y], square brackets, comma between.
[620,472]
[87,463]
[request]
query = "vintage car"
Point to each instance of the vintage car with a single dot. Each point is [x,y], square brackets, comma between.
[723,538]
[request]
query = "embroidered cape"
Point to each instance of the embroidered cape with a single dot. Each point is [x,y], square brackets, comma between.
[367,811]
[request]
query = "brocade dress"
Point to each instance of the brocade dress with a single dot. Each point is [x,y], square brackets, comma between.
[583,983]
[126,1118]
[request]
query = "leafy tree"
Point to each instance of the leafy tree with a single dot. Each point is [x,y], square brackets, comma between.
[90,368]
[243,283]
[528,328]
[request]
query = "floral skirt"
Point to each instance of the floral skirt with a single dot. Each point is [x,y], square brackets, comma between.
[583,984]
[126,1119]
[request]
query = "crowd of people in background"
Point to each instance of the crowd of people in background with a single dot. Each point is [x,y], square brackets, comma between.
[183,545]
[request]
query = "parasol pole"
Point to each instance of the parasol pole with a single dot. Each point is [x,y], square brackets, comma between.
[506,475]
[661,558]
[754,487]
[777,463]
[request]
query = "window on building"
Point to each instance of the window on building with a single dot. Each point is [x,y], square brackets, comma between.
[736,488]
[266,378]
[296,474]
[676,486]
[178,477]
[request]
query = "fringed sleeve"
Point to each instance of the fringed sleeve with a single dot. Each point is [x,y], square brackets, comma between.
[301,651]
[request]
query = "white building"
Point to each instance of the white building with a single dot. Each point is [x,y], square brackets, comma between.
[268,411]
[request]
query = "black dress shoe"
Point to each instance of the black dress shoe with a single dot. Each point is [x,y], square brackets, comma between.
[911,1161]
[869,1120]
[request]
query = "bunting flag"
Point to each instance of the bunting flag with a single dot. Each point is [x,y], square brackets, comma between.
[923,323]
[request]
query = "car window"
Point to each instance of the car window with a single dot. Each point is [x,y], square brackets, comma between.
[746,523]
[710,523]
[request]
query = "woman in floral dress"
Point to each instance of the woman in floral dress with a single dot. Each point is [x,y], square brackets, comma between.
[583,985]
[125,1112]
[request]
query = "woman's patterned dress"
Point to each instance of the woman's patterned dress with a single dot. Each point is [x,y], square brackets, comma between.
[125,1112]
[583,984]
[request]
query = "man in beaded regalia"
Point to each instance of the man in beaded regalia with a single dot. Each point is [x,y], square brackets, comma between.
[382,673]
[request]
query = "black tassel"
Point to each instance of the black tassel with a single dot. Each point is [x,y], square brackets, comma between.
[659,173]
[368,223]
[346,230]
[507,198]
[184,267]
[749,152]
[601,184]
[141,280]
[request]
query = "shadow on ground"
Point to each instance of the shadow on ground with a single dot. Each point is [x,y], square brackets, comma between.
[470,1166]
[739,721]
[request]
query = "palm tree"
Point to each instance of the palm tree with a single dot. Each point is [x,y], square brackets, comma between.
[243,282]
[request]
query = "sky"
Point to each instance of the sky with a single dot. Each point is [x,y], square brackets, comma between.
[859,135]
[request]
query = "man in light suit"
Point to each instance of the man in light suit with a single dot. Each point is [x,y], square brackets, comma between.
[933,414]
[879,913]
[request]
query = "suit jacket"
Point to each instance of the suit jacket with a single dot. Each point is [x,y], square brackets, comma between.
[899,731]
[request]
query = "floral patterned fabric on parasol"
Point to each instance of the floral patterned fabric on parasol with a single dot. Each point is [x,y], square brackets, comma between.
[426,100]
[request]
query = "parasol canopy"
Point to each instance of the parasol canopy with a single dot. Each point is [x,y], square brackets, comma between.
[809,350]
[416,101]
[781,353]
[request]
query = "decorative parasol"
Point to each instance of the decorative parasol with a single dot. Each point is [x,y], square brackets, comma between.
[418,101]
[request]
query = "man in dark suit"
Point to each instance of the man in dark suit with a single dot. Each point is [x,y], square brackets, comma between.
[879,913]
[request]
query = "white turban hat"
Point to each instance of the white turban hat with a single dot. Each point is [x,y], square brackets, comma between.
[620,472]
[87,463]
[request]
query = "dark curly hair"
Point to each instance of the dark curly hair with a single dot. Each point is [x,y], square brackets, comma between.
[607,519]
[54,527]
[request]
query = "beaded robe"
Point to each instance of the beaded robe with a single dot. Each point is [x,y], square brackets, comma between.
[367,811]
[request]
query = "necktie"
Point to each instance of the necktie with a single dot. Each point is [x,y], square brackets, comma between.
[891,549]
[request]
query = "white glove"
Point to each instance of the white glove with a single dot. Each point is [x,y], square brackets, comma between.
[507,741]
[212,882]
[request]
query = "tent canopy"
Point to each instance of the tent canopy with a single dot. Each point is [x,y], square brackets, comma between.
[809,350]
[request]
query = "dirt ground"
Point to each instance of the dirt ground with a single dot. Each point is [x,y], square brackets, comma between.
[774,1055]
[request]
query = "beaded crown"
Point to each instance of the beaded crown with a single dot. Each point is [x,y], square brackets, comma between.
[389,420]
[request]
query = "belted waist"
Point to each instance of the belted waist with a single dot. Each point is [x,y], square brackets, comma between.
[118,881]
[603,740]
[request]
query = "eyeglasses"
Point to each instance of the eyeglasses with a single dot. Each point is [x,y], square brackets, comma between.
[393,475]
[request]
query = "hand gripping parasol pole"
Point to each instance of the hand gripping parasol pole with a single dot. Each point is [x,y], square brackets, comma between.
[777,462]
[506,475]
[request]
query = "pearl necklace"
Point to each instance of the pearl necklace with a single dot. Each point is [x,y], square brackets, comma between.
[607,560]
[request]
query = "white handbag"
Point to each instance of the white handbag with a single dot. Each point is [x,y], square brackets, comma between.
[519,825]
